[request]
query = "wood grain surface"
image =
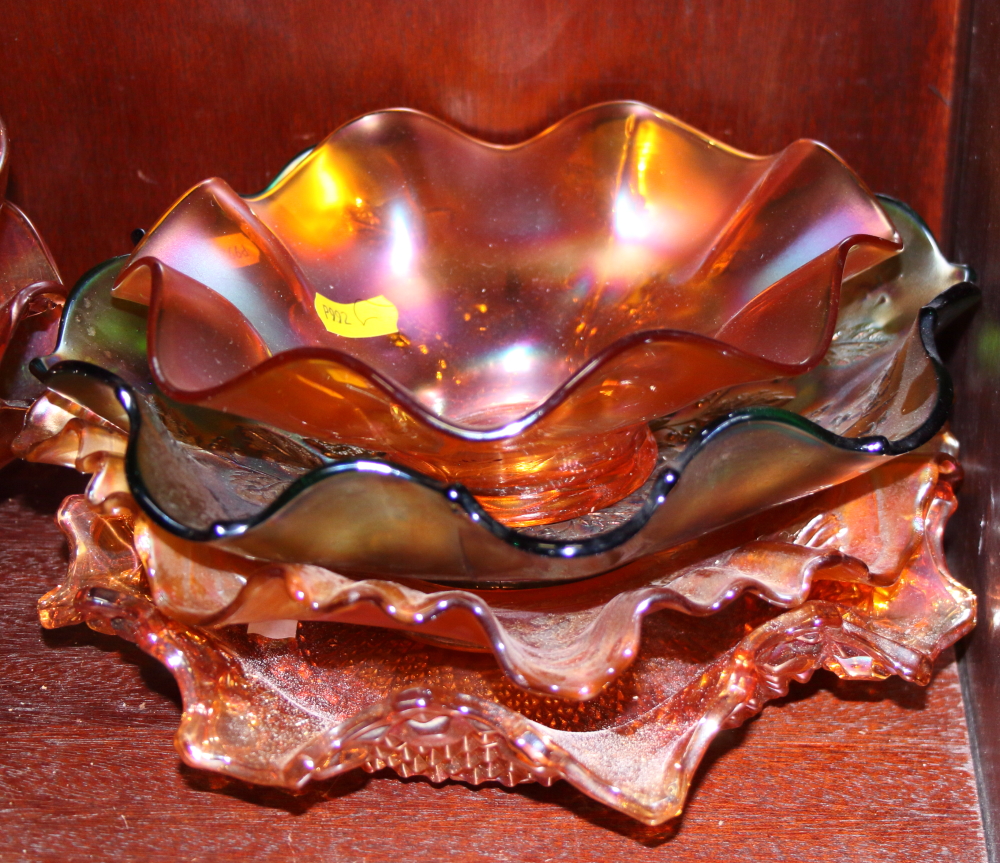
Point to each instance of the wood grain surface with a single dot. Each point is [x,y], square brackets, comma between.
[836,771]
[115,108]
[975,534]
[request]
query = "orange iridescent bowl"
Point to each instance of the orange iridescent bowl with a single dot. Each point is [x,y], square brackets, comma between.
[510,318]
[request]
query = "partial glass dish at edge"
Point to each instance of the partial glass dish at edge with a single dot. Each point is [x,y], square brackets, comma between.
[31,298]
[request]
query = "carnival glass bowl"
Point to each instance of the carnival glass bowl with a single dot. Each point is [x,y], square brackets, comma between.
[506,317]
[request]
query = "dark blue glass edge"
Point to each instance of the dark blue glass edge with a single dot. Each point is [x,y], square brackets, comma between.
[940,311]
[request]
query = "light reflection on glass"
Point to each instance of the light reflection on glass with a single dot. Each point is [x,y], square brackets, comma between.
[632,223]
[517,360]
[401,244]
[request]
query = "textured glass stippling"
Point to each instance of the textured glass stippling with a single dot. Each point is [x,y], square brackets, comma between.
[331,697]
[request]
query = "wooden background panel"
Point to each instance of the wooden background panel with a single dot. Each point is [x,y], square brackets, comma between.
[975,533]
[835,772]
[115,108]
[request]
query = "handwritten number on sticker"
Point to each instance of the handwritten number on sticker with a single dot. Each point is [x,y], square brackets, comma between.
[361,319]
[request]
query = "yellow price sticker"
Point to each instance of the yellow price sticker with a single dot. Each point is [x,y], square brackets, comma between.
[361,319]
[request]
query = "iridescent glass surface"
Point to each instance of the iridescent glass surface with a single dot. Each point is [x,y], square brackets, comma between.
[258,490]
[510,463]
[330,697]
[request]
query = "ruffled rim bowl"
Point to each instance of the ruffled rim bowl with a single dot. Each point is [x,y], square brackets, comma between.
[509,318]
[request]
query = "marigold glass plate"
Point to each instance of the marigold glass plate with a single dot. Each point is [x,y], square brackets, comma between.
[334,696]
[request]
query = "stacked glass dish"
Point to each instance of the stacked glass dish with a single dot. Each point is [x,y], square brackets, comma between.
[510,463]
